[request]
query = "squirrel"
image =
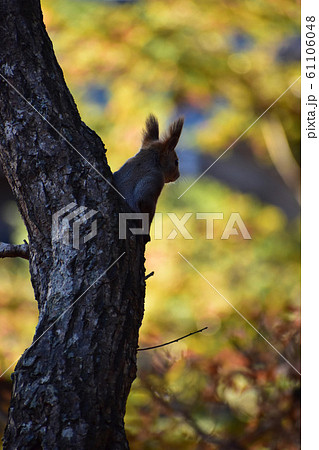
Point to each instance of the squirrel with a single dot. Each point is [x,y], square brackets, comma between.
[141,179]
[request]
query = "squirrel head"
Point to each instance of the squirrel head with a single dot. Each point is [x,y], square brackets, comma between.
[164,147]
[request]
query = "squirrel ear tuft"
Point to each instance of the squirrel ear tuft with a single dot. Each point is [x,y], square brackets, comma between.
[171,138]
[151,132]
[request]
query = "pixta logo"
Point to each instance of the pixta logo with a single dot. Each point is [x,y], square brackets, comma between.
[235,225]
[66,224]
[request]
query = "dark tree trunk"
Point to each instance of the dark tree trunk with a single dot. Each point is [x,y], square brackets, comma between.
[71,386]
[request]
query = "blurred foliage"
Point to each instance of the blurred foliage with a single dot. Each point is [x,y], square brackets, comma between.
[221,64]
[16,297]
[224,388]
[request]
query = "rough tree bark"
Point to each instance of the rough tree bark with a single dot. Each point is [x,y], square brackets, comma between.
[71,386]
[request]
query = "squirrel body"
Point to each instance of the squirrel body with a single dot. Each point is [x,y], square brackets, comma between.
[141,179]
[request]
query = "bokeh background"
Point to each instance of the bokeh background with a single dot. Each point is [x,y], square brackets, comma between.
[221,64]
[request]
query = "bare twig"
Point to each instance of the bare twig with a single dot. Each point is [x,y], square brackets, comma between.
[14,251]
[149,275]
[171,342]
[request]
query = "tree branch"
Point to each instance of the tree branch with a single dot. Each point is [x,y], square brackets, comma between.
[172,342]
[149,275]
[14,251]
[175,406]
